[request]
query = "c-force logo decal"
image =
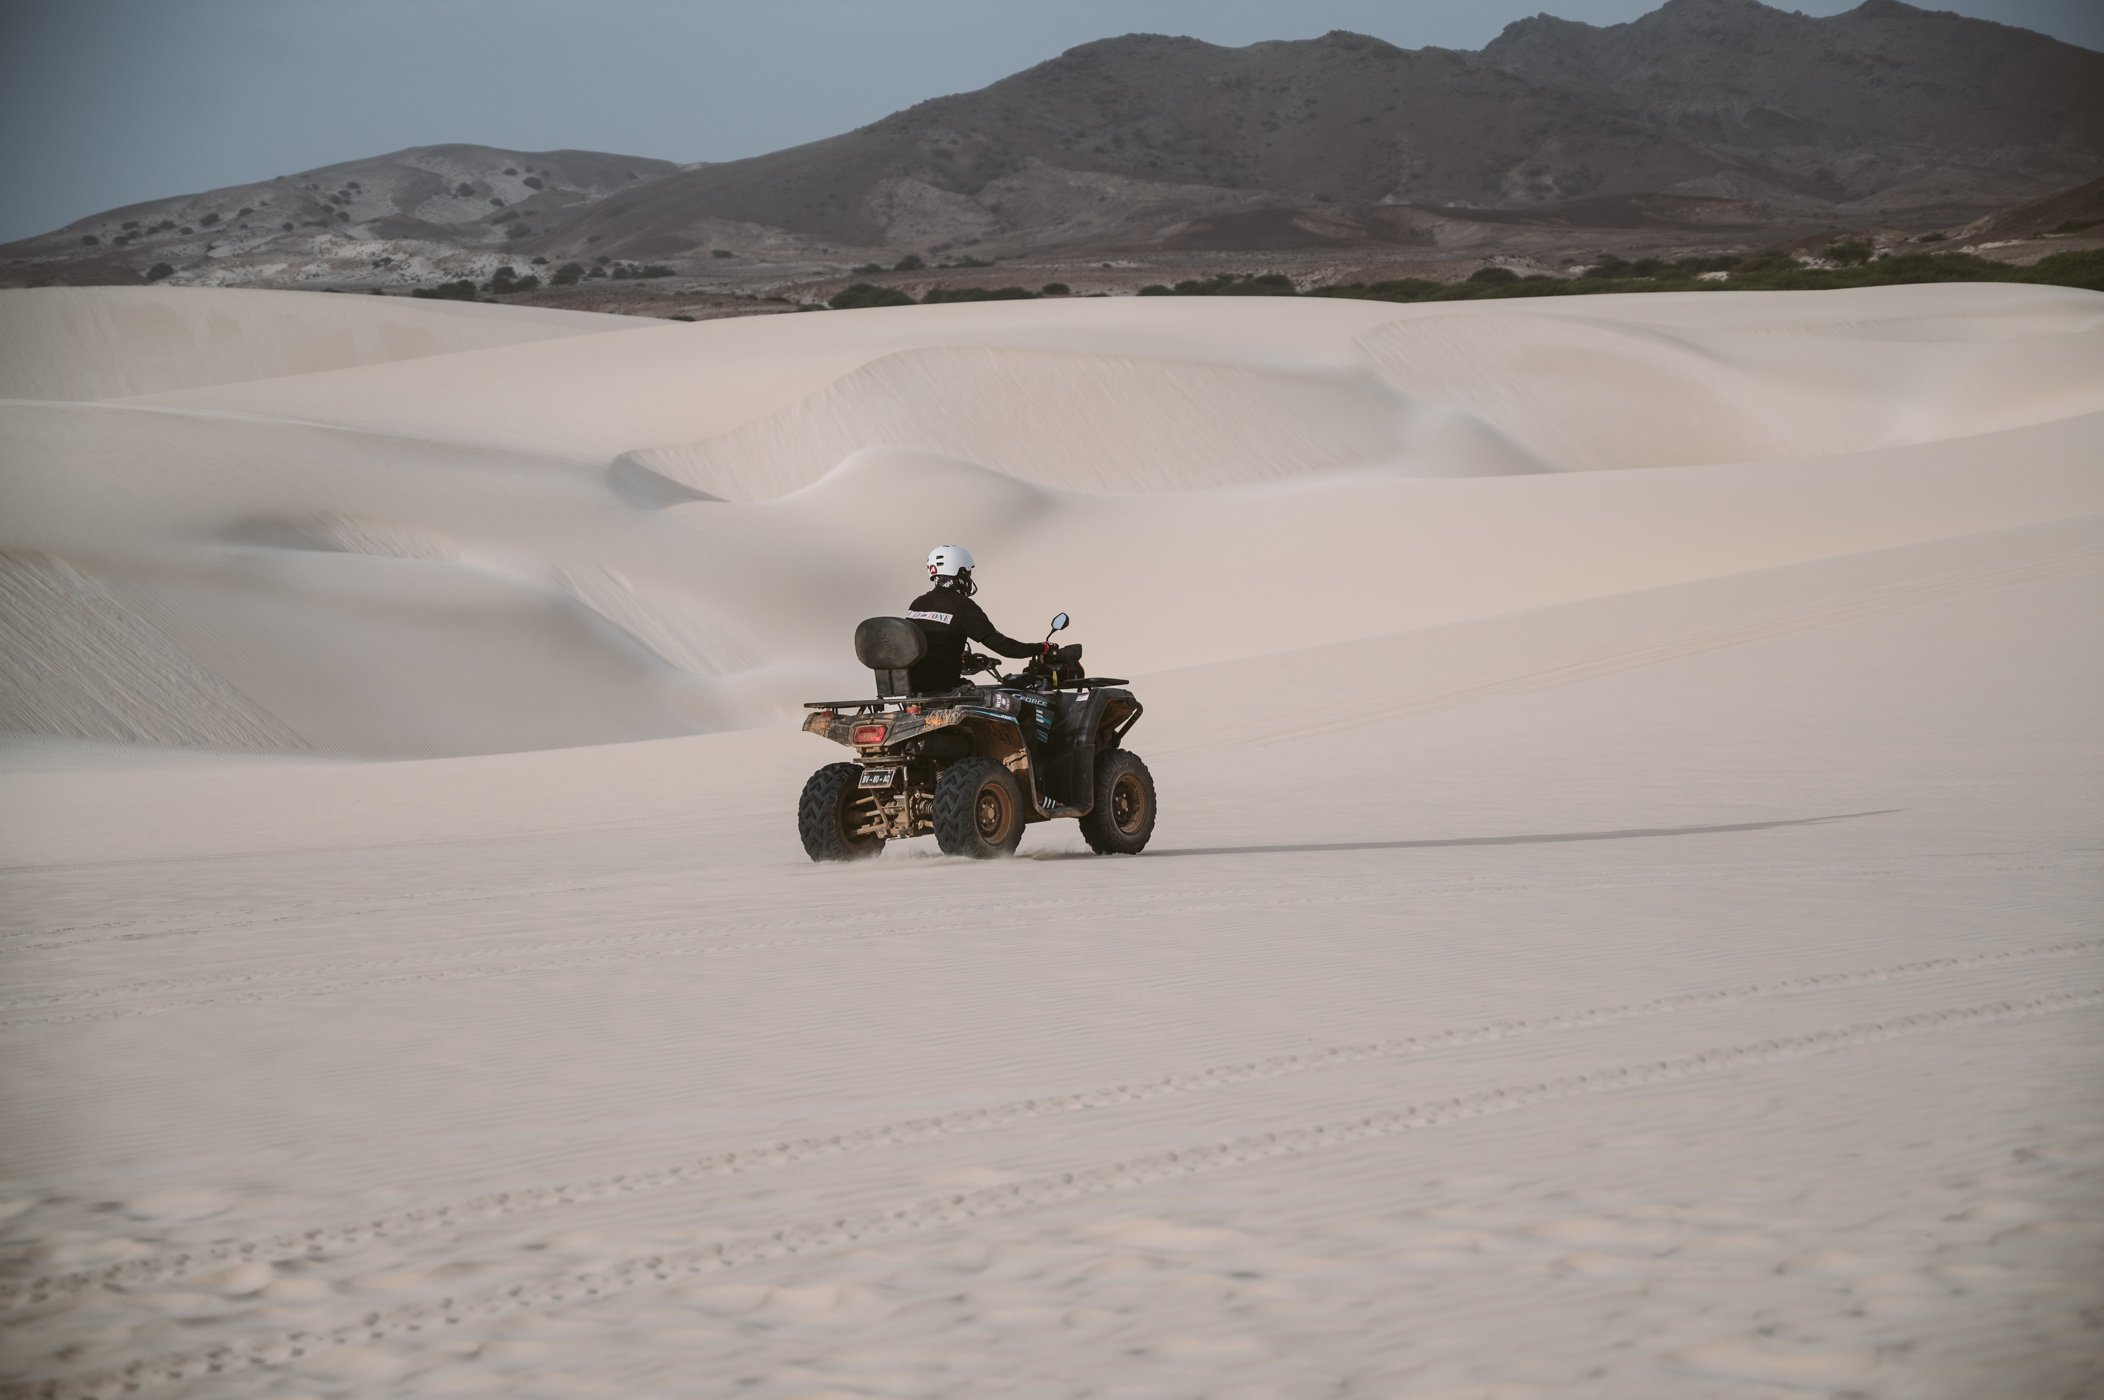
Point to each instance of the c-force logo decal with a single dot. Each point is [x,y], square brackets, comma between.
[944,618]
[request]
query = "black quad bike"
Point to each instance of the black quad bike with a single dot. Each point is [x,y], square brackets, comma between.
[976,764]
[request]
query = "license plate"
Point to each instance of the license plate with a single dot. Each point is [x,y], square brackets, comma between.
[879,777]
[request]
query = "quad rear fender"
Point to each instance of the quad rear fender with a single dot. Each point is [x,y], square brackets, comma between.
[990,735]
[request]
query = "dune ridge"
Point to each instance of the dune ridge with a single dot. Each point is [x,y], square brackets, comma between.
[1319,446]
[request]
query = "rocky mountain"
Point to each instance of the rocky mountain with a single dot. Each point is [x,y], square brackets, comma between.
[2070,212]
[1704,115]
[1156,140]
[433,200]
[1885,105]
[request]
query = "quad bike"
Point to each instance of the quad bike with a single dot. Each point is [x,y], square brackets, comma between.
[976,764]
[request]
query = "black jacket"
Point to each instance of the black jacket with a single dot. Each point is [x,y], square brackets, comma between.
[948,617]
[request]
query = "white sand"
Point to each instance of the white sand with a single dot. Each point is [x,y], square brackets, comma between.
[1623,921]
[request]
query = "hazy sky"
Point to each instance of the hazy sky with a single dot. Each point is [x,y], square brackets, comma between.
[108,102]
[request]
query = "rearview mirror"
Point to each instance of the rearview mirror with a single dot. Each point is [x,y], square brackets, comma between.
[1059,623]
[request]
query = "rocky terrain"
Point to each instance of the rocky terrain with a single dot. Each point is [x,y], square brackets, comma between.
[1706,124]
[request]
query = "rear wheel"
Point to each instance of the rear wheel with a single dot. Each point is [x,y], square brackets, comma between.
[978,810]
[1123,817]
[832,813]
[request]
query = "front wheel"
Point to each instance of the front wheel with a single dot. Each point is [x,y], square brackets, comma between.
[1123,817]
[832,813]
[978,810]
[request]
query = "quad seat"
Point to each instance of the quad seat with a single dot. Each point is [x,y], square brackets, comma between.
[890,646]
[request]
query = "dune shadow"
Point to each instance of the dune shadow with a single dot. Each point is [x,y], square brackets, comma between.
[1529,839]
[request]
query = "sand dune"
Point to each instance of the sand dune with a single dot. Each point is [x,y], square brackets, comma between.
[1623,920]
[55,344]
[1417,445]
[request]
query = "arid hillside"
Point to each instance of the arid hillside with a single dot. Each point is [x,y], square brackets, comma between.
[1704,122]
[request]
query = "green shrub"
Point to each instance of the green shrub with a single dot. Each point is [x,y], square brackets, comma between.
[1488,276]
[462,290]
[569,274]
[2082,268]
[937,295]
[1056,289]
[158,271]
[1852,253]
[533,182]
[912,262]
[863,294]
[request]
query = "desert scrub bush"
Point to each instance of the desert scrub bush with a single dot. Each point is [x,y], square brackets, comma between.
[657,270]
[2084,269]
[912,262]
[938,295]
[1490,275]
[863,294]
[209,220]
[463,189]
[725,253]
[534,182]
[89,240]
[568,275]
[462,290]
[1055,289]
[1852,253]
[158,271]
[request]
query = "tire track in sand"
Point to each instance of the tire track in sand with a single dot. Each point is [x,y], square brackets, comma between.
[640,1272]
[301,1244]
[95,1003]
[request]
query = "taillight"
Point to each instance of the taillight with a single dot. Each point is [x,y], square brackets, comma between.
[869,733]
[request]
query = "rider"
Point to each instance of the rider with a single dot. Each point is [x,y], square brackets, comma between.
[947,617]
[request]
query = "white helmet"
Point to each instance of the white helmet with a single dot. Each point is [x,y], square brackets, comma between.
[948,561]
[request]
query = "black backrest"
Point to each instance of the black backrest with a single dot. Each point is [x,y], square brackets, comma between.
[888,646]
